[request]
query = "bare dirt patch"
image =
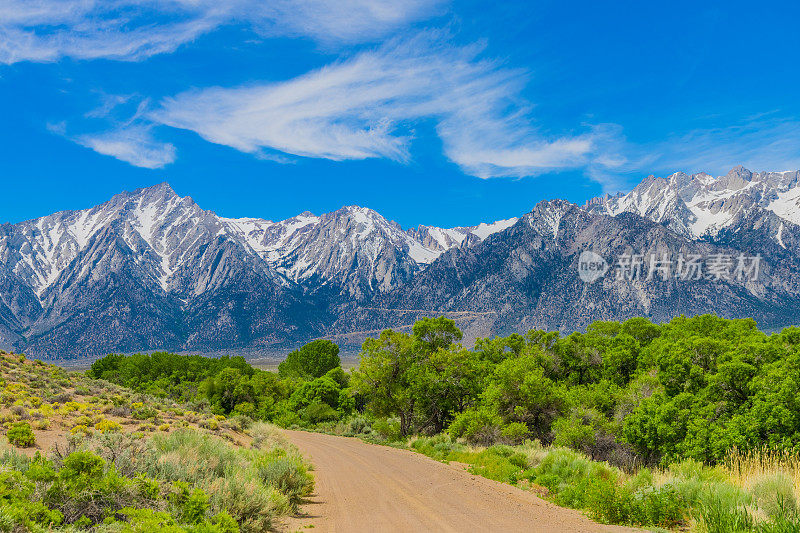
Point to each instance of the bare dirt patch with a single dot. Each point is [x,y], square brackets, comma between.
[366,487]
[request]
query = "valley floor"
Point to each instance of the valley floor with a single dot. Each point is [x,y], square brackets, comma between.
[367,487]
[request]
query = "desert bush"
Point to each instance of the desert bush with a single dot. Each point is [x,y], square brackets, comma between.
[21,435]
[209,423]
[243,482]
[60,398]
[105,426]
[252,504]
[13,458]
[82,430]
[439,447]
[140,411]
[239,422]
[267,437]
[20,412]
[288,474]
[42,423]
[358,425]
[184,481]
[388,428]
[186,455]
[129,455]
[83,420]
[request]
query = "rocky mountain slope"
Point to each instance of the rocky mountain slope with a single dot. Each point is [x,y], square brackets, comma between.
[700,206]
[152,270]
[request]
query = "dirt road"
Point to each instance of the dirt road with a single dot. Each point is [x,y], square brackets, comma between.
[365,487]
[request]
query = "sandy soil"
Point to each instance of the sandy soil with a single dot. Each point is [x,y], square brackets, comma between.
[365,487]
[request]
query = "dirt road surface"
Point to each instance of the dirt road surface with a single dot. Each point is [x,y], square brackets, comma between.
[371,488]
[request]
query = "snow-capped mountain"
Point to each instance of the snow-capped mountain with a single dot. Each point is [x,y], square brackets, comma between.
[700,206]
[527,276]
[354,248]
[165,228]
[152,270]
[161,243]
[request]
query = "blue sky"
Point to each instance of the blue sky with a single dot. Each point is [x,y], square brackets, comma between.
[435,112]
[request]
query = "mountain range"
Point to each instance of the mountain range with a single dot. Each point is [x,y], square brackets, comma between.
[153,270]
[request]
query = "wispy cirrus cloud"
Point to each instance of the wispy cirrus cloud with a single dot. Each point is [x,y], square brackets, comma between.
[367,106]
[130,139]
[132,30]
[766,142]
[133,144]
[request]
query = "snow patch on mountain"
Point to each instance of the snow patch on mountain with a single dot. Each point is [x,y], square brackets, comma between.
[700,205]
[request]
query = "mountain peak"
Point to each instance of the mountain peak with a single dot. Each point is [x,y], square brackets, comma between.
[162,189]
[701,205]
[737,178]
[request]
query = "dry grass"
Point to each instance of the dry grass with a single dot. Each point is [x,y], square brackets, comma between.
[748,469]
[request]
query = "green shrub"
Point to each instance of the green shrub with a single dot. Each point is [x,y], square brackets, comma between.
[562,467]
[607,502]
[477,426]
[319,412]
[515,432]
[21,435]
[240,422]
[267,437]
[359,425]
[660,507]
[192,505]
[388,428]
[40,470]
[251,503]
[287,474]
[143,412]
[245,483]
[494,466]
[187,455]
[439,447]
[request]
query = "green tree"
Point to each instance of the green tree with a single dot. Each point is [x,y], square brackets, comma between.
[311,361]
[446,383]
[436,333]
[520,392]
[384,375]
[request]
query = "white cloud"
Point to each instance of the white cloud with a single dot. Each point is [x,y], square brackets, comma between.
[368,105]
[120,131]
[132,30]
[347,21]
[766,142]
[131,143]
